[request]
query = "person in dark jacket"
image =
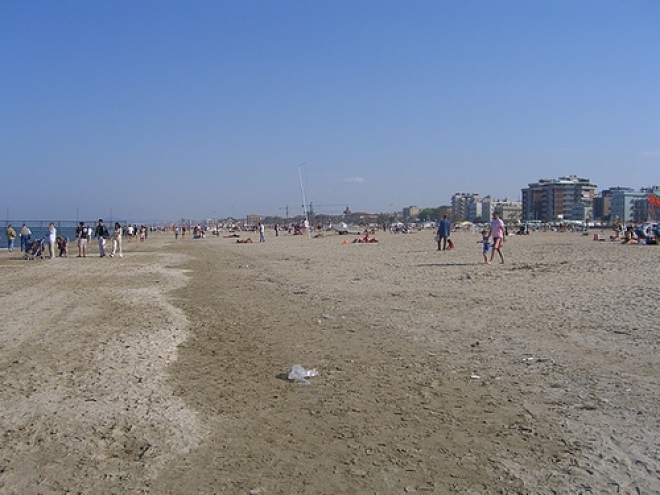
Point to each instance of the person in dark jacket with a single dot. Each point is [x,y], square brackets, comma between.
[444,230]
[101,233]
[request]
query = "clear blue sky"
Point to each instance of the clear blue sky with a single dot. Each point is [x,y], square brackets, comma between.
[169,109]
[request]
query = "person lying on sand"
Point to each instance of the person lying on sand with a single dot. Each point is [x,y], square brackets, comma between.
[365,240]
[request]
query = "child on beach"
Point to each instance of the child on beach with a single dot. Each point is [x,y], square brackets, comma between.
[61,245]
[485,238]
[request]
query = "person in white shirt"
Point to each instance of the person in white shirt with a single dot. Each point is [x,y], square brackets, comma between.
[52,239]
[116,240]
[25,234]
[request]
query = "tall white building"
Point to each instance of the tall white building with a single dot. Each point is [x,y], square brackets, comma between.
[510,211]
[460,205]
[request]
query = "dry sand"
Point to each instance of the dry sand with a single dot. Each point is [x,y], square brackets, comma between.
[165,371]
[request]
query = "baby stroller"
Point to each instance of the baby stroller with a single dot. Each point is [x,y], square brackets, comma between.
[36,249]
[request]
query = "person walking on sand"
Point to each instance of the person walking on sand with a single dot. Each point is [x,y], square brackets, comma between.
[116,241]
[25,234]
[262,230]
[101,233]
[444,230]
[497,233]
[81,235]
[52,239]
[486,245]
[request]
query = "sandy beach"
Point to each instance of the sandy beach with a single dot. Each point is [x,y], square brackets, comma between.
[166,371]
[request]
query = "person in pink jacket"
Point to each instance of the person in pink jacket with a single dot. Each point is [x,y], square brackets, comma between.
[497,232]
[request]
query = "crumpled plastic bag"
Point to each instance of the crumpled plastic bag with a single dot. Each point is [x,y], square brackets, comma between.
[299,374]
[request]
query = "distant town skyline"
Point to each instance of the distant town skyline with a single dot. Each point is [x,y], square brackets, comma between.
[210,109]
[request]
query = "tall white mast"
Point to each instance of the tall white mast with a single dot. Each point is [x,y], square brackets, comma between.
[304,199]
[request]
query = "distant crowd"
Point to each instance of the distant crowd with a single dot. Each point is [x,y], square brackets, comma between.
[55,244]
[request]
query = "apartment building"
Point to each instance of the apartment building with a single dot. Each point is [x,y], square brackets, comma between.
[460,205]
[551,199]
[628,205]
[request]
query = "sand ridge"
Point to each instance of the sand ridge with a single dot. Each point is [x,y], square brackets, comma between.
[85,349]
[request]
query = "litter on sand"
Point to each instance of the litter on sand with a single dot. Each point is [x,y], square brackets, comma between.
[299,374]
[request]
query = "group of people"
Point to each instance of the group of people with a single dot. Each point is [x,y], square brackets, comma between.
[100,232]
[496,232]
[639,234]
[53,241]
[24,234]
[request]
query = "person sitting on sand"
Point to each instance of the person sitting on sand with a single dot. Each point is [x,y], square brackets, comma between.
[629,237]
